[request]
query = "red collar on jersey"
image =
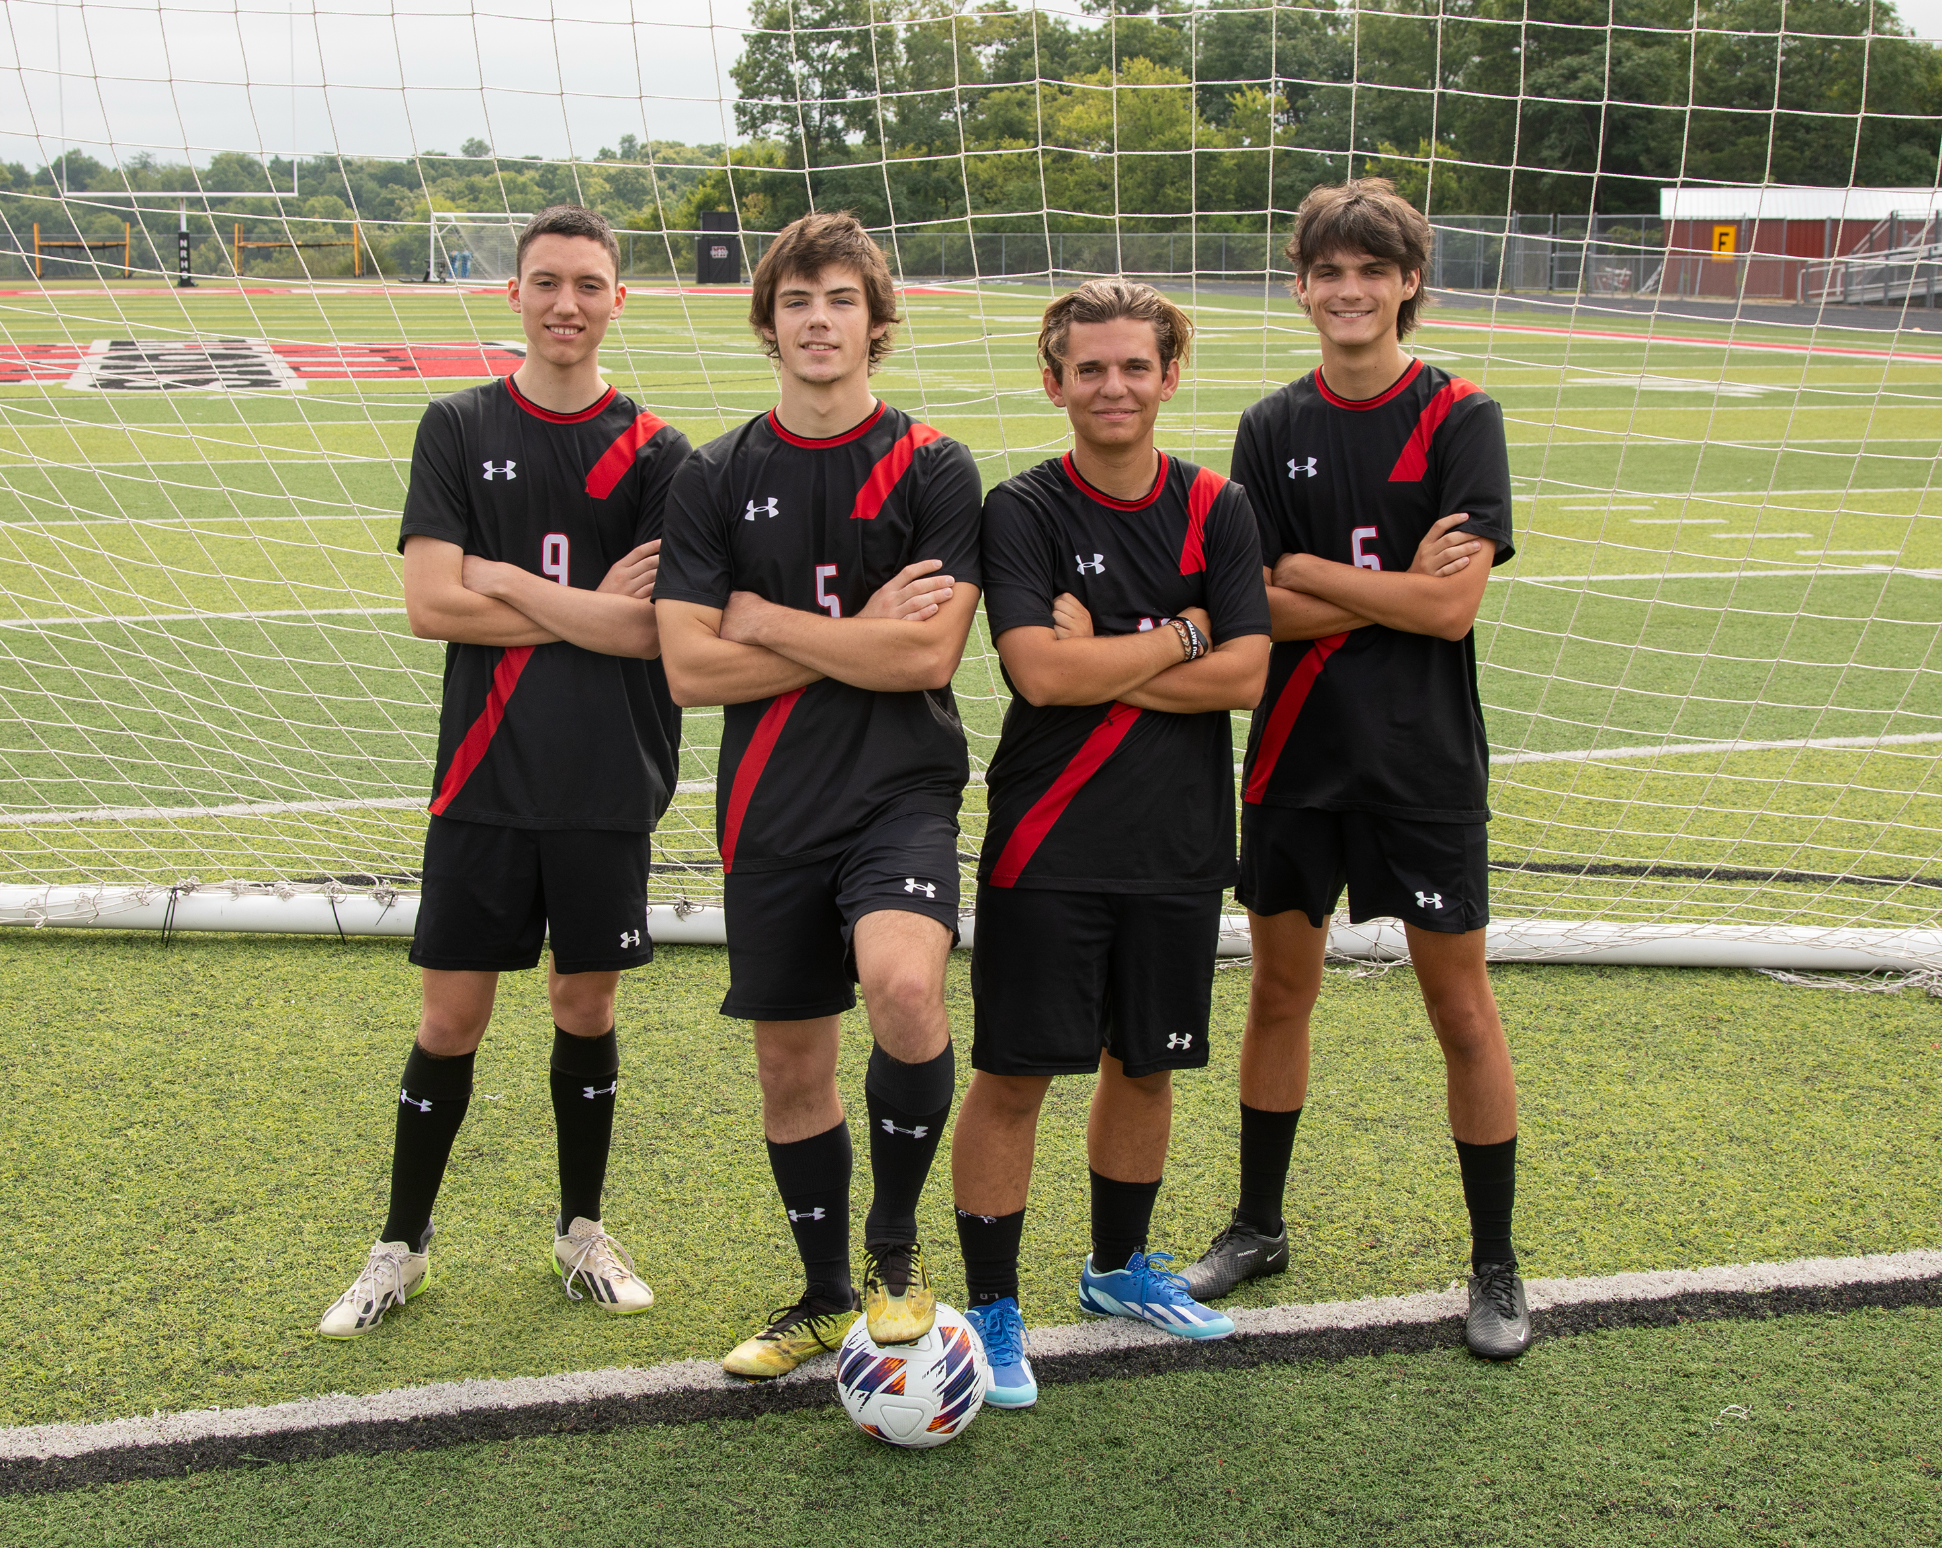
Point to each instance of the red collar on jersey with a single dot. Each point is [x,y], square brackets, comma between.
[853,433]
[1072,472]
[591,411]
[1415,366]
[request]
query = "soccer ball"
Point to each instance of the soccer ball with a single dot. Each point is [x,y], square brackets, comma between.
[917,1394]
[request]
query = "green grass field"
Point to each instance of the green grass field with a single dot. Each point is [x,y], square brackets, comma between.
[195,1141]
[1714,545]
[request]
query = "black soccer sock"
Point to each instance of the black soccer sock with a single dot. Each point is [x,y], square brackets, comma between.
[813,1177]
[990,1247]
[907,1104]
[585,1079]
[1489,1190]
[1267,1143]
[1121,1214]
[432,1099]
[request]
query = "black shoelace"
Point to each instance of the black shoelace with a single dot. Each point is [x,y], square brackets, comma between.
[1498,1284]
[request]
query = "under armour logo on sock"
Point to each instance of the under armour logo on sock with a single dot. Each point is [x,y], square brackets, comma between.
[965,1214]
[805,1214]
[1180,1040]
[590,1092]
[917,1133]
[423,1104]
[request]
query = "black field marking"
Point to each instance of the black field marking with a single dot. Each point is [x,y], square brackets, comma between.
[51,1458]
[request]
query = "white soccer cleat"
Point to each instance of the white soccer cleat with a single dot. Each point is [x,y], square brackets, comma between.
[587,1253]
[392,1275]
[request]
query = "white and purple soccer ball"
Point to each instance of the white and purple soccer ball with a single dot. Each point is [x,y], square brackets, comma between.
[914,1395]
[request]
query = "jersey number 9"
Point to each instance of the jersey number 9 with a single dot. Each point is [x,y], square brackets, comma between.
[553,558]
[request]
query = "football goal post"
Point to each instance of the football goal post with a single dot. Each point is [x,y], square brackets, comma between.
[1696,272]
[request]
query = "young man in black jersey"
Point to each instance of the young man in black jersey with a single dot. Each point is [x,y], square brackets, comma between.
[531,536]
[1382,486]
[819,579]
[1125,597]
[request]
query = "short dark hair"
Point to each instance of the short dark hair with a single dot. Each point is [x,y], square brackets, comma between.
[1108,300]
[810,246]
[1365,215]
[572,220]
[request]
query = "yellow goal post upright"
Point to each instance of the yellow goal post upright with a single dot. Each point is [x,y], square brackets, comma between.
[355,242]
[86,245]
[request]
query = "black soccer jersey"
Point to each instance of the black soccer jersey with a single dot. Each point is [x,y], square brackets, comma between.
[1107,797]
[1374,720]
[547,736]
[821,525]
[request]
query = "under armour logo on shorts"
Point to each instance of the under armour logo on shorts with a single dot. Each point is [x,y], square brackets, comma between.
[912,884]
[1429,900]
[1180,1040]
[630,937]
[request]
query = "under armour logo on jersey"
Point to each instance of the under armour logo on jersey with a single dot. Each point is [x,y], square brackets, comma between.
[767,508]
[1429,900]
[1296,467]
[423,1104]
[493,467]
[912,884]
[917,1133]
[1096,567]
[805,1214]
[630,938]
[590,1092]
[1180,1040]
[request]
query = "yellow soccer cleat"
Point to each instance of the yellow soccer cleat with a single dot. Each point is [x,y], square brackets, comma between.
[794,1334]
[898,1301]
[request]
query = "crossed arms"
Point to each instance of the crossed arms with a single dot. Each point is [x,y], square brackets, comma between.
[1439,593]
[1069,664]
[458,597]
[909,636]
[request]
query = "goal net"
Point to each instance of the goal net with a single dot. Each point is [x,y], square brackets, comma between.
[1693,251]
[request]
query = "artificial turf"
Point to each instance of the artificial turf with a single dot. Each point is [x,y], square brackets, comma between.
[208,1123]
[1797,1431]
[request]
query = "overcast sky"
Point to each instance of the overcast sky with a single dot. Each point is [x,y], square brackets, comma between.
[380,77]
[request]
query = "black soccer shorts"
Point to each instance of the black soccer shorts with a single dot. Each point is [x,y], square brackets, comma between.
[1060,975]
[1432,874]
[791,956]
[492,895]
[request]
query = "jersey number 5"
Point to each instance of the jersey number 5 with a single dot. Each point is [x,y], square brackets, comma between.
[827,572]
[1364,561]
[553,558]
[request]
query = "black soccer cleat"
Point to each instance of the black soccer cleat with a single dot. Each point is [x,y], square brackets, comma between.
[1499,1324]
[1238,1254]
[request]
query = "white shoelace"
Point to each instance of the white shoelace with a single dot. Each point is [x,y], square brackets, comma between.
[386,1259]
[607,1258]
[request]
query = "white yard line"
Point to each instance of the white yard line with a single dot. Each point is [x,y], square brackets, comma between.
[1682,749]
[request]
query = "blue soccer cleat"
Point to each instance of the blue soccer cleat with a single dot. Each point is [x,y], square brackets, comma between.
[1147,1293]
[1002,1329]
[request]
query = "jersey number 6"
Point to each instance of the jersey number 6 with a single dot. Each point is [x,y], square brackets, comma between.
[1363,561]
[827,572]
[553,560]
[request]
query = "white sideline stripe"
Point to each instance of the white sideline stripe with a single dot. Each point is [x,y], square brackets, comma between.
[1679,750]
[250,808]
[47,1441]
[1677,575]
[244,617]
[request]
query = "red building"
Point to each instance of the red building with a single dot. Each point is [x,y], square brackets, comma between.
[1775,242]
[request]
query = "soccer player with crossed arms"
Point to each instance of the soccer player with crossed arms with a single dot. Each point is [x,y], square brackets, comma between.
[531,536]
[1125,597]
[1382,487]
[819,579]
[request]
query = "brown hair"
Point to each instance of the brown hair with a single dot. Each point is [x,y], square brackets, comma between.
[573,220]
[1366,215]
[1108,300]
[814,245]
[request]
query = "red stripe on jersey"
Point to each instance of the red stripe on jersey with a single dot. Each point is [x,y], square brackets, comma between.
[578,417]
[1415,460]
[1050,807]
[618,458]
[1200,500]
[478,737]
[1112,502]
[767,730]
[834,440]
[893,465]
[1286,711]
[1362,405]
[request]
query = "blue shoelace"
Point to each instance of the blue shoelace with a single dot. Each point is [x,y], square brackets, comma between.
[1157,1284]
[1004,1335]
